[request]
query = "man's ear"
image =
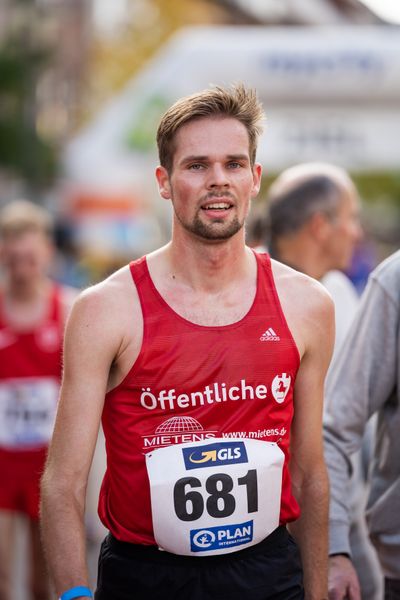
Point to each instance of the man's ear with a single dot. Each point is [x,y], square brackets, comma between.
[164,185]
[257,172]
[320,226]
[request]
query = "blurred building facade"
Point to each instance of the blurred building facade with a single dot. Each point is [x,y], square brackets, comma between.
[301,12]
[331,93]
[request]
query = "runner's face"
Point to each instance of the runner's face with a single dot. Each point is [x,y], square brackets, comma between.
[212,180]
[25,257]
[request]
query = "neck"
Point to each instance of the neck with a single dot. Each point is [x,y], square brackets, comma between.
[301,256]
[209,266]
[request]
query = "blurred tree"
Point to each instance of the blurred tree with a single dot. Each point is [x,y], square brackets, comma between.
[145,25]
[23,57]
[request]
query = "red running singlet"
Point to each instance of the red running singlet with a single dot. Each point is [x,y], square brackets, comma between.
[192,383]
[30,373]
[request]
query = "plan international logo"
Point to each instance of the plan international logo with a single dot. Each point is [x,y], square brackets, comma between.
[214,455]
[218,538]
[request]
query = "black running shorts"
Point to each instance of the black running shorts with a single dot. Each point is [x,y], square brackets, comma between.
[270,570]
[392,589]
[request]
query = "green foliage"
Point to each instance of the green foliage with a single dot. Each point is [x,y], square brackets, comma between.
[379,186]
[23,152]
[142,133]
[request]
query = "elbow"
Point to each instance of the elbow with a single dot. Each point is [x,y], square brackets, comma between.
[57,489]
[313,484]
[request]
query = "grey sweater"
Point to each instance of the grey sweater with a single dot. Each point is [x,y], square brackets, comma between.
[363,380]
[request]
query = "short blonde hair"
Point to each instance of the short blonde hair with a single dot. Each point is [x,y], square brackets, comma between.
[236,102]
[21,216]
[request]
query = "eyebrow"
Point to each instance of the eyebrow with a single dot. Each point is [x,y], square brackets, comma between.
[193,158]
[202,158]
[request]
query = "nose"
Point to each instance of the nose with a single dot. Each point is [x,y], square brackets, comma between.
[218,176]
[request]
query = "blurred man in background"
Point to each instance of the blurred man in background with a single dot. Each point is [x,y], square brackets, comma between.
[365,380]
[32,316]
[313,225]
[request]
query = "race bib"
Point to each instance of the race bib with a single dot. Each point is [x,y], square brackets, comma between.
[27,411]
[214,498]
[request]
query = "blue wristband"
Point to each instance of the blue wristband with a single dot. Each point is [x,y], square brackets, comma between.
[76,592]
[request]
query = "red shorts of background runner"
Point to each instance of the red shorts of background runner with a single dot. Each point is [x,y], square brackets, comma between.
[20,480]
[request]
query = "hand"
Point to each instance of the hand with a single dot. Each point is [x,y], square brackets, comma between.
[343,581]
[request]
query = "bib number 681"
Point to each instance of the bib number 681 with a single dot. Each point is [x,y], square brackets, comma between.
[189,504]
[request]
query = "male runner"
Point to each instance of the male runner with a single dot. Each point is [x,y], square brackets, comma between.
[32,316]
[206,364]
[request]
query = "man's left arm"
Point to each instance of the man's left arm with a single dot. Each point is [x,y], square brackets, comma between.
[307,467]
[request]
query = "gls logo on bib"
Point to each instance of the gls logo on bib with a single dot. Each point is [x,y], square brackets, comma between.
[213,455]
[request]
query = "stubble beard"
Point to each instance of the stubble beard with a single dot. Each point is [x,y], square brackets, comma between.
[217,231]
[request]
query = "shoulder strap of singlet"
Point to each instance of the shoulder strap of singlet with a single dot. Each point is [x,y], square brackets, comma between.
[263,258]
[266,281]
[269,292]
[138,269]
[144,286]
[266,284]
[264,269]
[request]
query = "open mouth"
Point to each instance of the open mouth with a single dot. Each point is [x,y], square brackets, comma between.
[218,206]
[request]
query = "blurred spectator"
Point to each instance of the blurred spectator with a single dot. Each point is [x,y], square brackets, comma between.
[32,314]
[364,380]
[313,226]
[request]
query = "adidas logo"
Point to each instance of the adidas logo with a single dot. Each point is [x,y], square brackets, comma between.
[270,336]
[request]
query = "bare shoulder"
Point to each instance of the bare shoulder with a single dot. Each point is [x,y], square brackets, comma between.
[307,305]
[108,309]
[109,298]
[292,284]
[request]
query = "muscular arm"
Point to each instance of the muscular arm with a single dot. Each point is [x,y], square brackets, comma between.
[308,472]
[91,344]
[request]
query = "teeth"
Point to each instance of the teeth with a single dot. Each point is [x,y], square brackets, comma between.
[217,205]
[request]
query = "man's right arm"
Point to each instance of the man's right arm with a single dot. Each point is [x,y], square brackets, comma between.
[358,384]
[91,344]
